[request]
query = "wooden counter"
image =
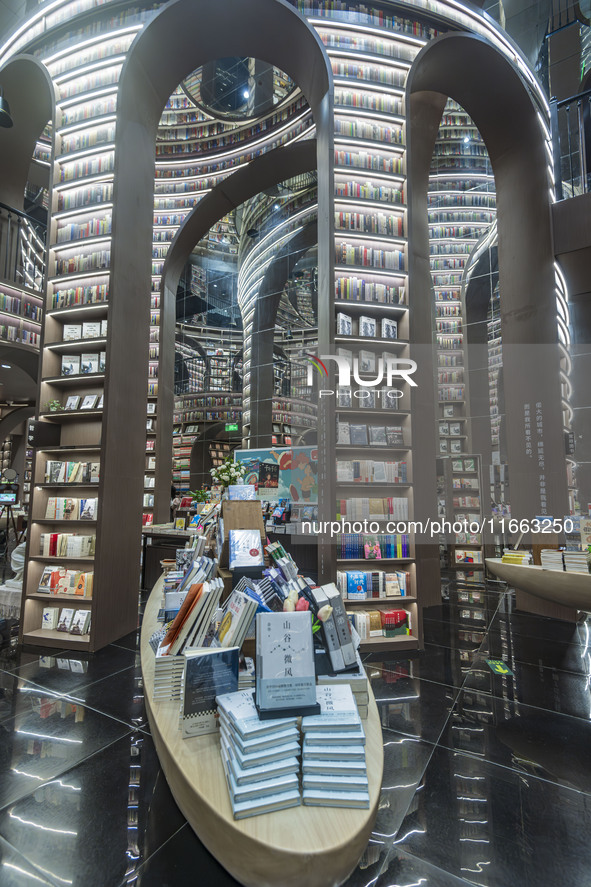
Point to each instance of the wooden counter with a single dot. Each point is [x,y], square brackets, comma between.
[298,847]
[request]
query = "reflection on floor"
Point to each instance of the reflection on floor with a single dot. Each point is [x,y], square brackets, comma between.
[487,776]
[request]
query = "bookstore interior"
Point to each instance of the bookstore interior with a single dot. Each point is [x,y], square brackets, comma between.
[257,260]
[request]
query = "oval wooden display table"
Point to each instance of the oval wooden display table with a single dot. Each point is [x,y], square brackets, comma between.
[298,847]
[566,589]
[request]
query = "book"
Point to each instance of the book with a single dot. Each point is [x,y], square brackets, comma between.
[88,509]
[48,581]
[207,674]
[367,362]
[338,710]
[358,435]
[267,804]
[344,397]
[239,611]
[103,365]
[49,618]
[394,436]
[240,710]
[270,770]
[343,434]
[89,402]
[319,798]
[367,327]
[377,436]
[344,324]
[334,737]
[91,329]
[89,363]
[81,622]
[389,328]
[285,672]
[246,549]
[71,332]
[70,364]
[65,619]
[72,402]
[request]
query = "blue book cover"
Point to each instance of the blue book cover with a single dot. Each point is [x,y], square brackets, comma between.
[356,585]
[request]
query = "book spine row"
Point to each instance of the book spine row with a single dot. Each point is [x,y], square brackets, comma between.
[351,546]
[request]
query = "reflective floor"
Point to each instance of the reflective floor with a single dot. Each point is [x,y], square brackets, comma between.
[487,776]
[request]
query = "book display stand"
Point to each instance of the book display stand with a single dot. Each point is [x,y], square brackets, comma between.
[288,848]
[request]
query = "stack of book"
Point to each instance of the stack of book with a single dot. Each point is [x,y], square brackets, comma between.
[516,557]
[551,559]
[333,758]
[188,630]
[576,561]
[358,682]
[260,758]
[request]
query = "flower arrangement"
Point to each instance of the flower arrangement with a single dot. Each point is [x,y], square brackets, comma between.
[229,472]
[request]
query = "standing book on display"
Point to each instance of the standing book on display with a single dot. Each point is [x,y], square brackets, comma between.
[208,673]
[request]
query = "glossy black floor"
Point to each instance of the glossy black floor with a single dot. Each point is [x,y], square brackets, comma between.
[487,777]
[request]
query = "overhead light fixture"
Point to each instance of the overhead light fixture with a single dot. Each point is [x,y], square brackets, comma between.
[5,118]
[5,366]
[245,94]
[466,139]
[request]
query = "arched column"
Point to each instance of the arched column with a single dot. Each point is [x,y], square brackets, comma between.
[490,89]
[183,35]
[262,173]
[30,92]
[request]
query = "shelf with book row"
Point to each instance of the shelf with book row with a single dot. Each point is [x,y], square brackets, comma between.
[21,313]
[66,493]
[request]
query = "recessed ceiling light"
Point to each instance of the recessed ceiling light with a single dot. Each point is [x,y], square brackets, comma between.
[5,366]
[245,94]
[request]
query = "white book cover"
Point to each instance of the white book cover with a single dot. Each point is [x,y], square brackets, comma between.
[367,327]
[246,549]
[338,710]
[49,618]
[242,712]
[91,329]
[285,671]
[72,331]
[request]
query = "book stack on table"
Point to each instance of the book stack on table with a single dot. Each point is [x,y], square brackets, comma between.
[357,680]
[333,759]
[260,758]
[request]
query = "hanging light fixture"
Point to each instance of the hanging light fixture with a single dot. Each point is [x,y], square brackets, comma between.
[5,118]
